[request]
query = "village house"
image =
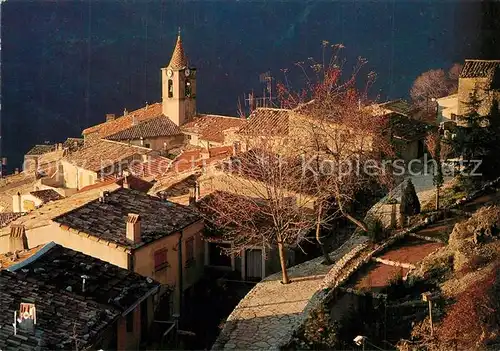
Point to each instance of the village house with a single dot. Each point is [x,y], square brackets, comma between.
[480,77]
[97,160]
[65,299]
[405,129]
[34,199]
[125,227]
[173,122]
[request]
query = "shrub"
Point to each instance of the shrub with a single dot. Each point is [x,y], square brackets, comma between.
[376,230]
[320,331]
[410,205]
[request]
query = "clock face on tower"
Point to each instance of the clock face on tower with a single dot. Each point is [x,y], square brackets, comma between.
[169,73]
[187,72]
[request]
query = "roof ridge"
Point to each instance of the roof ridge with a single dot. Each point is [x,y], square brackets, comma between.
[212,115]
[480,60]
[124,144]
[46,248]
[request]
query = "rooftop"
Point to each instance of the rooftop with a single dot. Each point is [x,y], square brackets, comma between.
[105,283]
[270,121]
[7,217]
[104,153]
[10,258]
[61,316]
[42,216]
[407,128]
[212,127]
[151,128]
[107,220]
[47,195]
[126,121]
[40,149]
[178,59]
[479,68]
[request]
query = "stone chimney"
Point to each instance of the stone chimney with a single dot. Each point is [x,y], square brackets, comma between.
[134,228]
[125,112]
[16,203]
[110,117]
[17,238]
[125,183]
[16,171]
[192,197]
[196,191]
[236,148]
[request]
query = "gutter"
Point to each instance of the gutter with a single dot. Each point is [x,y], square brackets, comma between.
[144,297]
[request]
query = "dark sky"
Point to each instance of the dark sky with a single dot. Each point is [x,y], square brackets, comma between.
[65,64]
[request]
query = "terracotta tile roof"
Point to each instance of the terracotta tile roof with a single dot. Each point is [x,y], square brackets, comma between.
[112,127]
[47,195]
[134,183]
[212,127]
[196,158]
[178,59]
[60,315]
[155,166]
[107,220]
[7,217]
[73,144]
[267,121]
[10,258]
[106,284]
[40,149]
[43,215]
[479,68]
[104,153]
[151,128]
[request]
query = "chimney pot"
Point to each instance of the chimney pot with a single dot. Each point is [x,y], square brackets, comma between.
[125,112]
[125,183]
[134,228]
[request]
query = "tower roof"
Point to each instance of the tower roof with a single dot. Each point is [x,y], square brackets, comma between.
[178,59]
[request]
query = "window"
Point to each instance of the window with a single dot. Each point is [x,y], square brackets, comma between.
[147,145]
[130,322]
[187,89]
[170,88]
[189,250]
[160,257]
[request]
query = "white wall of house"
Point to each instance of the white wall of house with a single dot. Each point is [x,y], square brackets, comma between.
[447,106]
[25,203]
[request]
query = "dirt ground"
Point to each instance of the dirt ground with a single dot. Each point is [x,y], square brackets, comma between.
[411,252]
[378,276]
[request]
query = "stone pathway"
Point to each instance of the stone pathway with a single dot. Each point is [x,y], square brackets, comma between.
[269,314]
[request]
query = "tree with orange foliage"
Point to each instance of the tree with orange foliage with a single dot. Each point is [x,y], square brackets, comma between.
[340,132]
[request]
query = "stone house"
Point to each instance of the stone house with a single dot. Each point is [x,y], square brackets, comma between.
[125,227]
[206,131]
[483,77]
[253,262]
[97,160]
[34,199]
[77,296]
[159,133]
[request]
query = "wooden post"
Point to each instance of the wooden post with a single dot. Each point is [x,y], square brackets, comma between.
[430,317]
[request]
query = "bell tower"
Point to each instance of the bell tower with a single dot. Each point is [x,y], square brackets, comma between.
[179,87]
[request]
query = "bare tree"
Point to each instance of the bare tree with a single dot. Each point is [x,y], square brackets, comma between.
[265,202]
[434,84]
[346,143]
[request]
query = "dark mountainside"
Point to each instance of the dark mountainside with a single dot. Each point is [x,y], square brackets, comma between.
[65,64]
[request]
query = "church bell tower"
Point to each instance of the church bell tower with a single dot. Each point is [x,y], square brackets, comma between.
[179,87]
